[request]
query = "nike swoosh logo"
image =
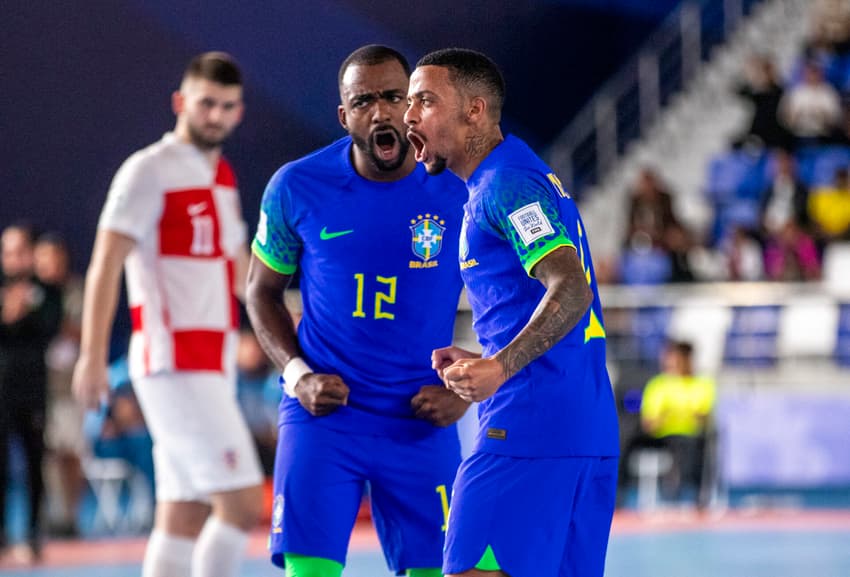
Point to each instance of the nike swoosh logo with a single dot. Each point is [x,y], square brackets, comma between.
[196,209]
[325,235]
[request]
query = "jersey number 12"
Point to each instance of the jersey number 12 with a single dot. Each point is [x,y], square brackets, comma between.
[380,297]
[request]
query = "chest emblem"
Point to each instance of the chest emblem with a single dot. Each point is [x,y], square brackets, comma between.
[427,239]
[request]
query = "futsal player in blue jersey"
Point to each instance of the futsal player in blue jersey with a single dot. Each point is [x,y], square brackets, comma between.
[375,239]
[536,497]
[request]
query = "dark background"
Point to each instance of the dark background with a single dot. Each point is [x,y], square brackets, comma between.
[85,84]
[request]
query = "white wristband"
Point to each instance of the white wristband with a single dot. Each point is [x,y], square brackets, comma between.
[292,373]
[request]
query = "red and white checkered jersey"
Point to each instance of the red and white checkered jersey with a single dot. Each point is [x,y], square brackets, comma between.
[187,222]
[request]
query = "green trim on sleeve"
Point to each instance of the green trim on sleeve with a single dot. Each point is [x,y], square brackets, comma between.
[270,262]
[537,254]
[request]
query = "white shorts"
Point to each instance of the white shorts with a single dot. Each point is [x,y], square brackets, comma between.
[201,444]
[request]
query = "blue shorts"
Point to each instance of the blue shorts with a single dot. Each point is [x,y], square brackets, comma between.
[542,517]
[320,476]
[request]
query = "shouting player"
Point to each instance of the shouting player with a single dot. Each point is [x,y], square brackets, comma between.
[536,496]
[375,240]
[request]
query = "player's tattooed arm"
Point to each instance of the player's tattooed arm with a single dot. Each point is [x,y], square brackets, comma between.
[565,302]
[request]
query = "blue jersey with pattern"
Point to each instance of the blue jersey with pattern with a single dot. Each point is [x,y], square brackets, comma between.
[379,280]
[561,404]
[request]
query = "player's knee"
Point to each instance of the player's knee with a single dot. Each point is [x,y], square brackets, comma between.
[242,508]
[304,566]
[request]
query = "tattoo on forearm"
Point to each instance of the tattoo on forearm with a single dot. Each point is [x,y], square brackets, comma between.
[563,305]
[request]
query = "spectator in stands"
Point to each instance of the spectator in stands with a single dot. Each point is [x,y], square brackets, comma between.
[829,208]
[785,199]
[651,209]
[676,409]
[763,89]
[812,109]
[679,245]
[259,394]
[30,314]
[64,432]
[791,255]
[831,24]
[744,258]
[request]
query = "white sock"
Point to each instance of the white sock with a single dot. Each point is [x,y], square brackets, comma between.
[220,550]
[167,555]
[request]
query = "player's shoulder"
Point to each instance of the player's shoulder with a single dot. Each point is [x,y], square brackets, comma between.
[514,166]
[153,158]
[328,165]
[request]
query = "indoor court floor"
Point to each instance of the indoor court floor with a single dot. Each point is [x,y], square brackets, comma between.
[668,544]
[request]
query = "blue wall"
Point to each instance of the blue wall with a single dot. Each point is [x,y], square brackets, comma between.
[84,84]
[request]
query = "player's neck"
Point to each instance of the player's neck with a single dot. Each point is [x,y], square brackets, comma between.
[212,154]
[477,147]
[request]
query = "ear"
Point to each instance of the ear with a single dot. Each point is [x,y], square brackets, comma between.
[340,113]
[476,110]
[177,101]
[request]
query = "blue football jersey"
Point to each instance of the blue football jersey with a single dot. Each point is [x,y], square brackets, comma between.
[379,280]
[561,404]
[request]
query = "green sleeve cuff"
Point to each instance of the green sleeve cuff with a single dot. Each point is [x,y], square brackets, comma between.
[537,254]
[271,262]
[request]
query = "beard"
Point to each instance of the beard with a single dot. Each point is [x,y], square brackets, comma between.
[368,147]
[203,141]
[436,166]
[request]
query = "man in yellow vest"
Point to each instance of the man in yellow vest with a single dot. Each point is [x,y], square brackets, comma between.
[675,410]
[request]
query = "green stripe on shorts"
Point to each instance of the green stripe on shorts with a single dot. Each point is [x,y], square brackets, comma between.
[488,561]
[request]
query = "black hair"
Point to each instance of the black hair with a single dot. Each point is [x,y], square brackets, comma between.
[218,67]
[473,71]
[683,348]
[370,55]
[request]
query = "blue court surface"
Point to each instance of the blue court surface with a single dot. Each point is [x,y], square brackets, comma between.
[773,544]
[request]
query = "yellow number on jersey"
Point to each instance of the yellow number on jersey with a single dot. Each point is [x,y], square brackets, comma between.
[380,297]
[444,501]
[556,182]
[594,328]
[388,297]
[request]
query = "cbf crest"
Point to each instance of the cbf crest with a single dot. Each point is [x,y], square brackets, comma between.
[427,239]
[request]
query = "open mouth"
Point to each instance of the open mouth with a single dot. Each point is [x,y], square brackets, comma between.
[386,144]
[418,144]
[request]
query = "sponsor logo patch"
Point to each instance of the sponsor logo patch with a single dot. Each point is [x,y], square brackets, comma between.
[530,223]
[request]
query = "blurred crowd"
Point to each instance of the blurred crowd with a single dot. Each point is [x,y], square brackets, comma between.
[40,421]
[780,194]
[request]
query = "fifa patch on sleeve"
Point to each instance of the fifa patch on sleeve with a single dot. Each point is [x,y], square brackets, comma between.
[263,228]
[530,223]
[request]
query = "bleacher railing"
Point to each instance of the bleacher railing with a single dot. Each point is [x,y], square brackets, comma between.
[627,105]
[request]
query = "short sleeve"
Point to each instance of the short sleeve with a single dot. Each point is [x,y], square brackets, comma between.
[525,211]
[651,401]
[276,244]
[134,202]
